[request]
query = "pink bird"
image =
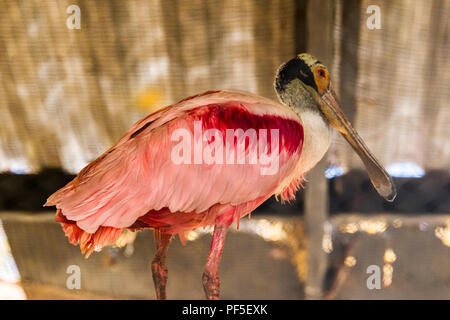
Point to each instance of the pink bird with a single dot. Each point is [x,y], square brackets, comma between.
[209,160]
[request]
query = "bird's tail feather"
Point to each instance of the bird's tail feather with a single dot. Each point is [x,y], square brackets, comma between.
[87,241]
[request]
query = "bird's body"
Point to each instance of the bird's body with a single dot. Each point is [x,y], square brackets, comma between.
[209,159]
[136,184]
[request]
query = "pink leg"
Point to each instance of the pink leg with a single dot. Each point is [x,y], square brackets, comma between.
[211,282]
[159,268]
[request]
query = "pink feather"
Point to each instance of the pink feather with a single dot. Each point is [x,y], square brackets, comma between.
[135,184]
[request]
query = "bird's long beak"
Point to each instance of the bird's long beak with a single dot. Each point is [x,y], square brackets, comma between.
[380,179]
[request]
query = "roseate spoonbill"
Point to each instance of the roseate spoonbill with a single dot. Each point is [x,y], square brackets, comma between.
[141,182]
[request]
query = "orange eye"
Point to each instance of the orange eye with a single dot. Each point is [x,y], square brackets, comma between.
[321,79]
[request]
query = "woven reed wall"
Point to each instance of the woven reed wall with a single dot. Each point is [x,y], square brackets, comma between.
[396,82]
[67,95]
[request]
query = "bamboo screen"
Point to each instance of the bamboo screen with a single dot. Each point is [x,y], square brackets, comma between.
[67,95]
[399,83]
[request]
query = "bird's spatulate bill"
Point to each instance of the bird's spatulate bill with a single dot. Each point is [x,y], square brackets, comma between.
[380,178]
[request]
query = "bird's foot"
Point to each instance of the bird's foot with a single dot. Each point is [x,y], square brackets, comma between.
[211,285]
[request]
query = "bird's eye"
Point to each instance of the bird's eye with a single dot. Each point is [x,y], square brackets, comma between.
[321,73]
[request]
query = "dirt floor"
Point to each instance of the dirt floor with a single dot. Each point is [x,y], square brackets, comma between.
[265,259]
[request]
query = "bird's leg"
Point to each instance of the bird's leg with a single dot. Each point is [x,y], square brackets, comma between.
[211,282]
[159,268]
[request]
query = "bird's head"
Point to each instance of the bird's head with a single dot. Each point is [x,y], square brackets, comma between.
[304,83]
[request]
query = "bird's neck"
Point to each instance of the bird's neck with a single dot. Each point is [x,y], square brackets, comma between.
[317,139]
[317,130]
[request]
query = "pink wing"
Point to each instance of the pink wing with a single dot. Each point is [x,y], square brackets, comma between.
[139,175]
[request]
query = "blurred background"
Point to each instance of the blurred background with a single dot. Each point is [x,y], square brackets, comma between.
[75,75]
